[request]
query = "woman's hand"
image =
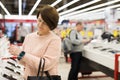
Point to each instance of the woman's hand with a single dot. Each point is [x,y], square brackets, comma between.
[14,50]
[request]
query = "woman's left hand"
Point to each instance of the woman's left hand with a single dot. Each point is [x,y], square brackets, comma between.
[14,50]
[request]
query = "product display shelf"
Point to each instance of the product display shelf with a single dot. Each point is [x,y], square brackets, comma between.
[101,56]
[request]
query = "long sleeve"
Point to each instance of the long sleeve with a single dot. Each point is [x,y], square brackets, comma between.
[75,37]
[76,40]
[51,55]
[21,61]
[36,47]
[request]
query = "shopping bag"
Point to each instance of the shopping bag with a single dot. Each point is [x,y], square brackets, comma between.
[41,77]
[53,77]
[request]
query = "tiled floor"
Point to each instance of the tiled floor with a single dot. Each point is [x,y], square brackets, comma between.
[65,67]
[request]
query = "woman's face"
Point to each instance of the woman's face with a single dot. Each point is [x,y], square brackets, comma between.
[42,26]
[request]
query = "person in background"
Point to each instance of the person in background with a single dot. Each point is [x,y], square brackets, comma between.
[43,43]
[76,54]
[22,32]
[64,34]
[1,34]
[13,37]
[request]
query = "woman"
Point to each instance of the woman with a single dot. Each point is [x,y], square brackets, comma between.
[43,43]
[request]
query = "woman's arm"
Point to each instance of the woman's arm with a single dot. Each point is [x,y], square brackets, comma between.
[51,55]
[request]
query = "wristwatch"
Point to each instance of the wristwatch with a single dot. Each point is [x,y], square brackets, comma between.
[21,55]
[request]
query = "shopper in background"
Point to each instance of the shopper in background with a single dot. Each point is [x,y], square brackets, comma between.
[22,32]
[13,37]
[41,44]
[1,34]
[64,34]
[76,54]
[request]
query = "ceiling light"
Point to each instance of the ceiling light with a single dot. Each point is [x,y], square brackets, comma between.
[118,9]
[1,16]
[85,16]
[90,8]
[34,7]
[99,15]
[23,17]
[20,7]
[93,12]
[56,2]
[78,7]
[3,7]
[66,5]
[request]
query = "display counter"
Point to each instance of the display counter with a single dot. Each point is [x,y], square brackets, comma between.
[10,69]
[101,56]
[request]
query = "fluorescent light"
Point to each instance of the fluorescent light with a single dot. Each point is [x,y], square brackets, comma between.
[1,16]
[68,4]
[56,2]
[23,17]
[90,8]
[93,12]
[95,16]
[4,8]
[87,15]
[34,7]
[84,14]
[99,15]
[78,7]
[118,9]
[20,7]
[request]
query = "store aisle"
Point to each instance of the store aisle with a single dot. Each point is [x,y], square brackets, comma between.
[64,70]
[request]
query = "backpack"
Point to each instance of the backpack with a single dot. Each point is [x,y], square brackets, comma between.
[67,44]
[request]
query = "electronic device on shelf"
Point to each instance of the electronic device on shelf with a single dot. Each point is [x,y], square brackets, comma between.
[11,70]
[104,49]
[97,47]
[114,51]
[9,77]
